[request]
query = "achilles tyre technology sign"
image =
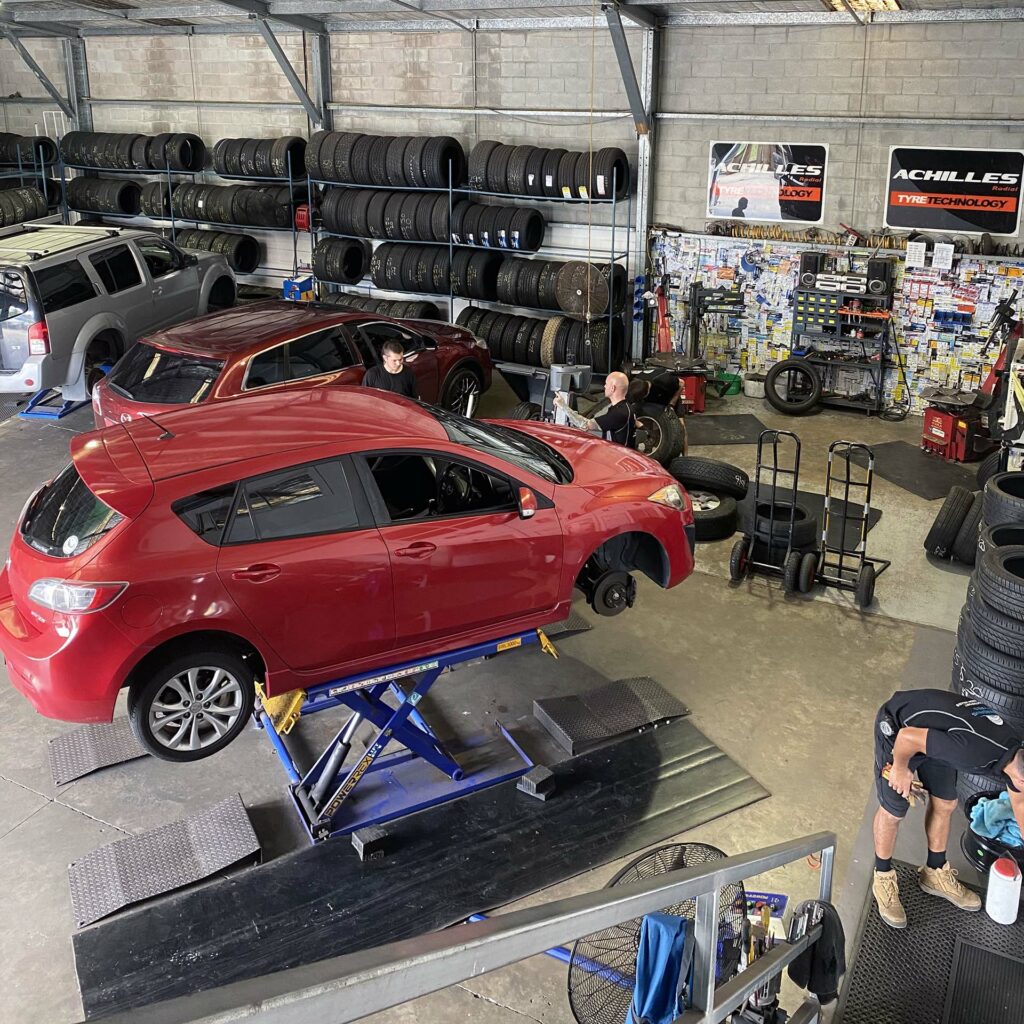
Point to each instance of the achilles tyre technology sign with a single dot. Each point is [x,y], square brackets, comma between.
[766,181]
[968,191]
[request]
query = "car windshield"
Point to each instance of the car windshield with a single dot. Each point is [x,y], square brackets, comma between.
[503,443]
[66,518]
[153,375]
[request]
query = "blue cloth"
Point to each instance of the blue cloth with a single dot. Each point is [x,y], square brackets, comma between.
[993,819]
[662,968]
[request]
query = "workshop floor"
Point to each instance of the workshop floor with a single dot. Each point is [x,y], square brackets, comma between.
[786,686]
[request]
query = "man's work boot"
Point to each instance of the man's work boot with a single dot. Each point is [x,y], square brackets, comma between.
[943,882]
[887,895]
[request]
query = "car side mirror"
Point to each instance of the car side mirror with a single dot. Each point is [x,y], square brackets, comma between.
[191,260]
[429,343]
[527,502]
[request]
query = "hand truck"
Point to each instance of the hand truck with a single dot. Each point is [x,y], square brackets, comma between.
[773,520]
[843,566]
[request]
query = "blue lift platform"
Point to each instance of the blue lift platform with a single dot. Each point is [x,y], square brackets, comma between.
[389,785]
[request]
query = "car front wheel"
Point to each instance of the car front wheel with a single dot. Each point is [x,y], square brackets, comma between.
[193,706]
[460,386]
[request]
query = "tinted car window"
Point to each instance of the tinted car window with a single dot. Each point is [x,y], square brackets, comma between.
[297,502]
[149,374]
[206,513]
[66,518]
[159,256]
[117,269]
[63,286]
[13,295]
[267,368]
[324,352]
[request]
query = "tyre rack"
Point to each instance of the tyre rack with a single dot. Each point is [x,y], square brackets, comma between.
[530,373]
[174,219]
[323,795]
[36,170]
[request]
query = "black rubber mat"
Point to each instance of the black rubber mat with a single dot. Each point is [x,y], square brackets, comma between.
[468,856]
[580,721]
[10,406]
[907,977]
[985,988]
[743,428]
[927,476]
[815,504]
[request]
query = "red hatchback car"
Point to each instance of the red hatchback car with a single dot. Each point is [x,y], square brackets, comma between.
[275,346]
[300,538]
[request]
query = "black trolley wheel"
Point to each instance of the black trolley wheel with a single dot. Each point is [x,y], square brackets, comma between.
[739,559]
[865,585]
[808,572]
[791,572]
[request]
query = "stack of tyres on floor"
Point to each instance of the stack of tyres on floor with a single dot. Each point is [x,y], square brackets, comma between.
[403,161]
[387,307]
[714,488]
[21,204]
[548,173]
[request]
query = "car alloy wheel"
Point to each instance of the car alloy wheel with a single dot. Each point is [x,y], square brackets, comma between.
[704,501]
[195,708]
[648,435]
[460,389]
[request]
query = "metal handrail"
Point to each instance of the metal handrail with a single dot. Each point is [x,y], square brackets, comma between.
[347,988]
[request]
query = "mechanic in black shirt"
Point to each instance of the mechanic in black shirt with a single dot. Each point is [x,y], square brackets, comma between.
[616,423]
[393,374]
[936,733]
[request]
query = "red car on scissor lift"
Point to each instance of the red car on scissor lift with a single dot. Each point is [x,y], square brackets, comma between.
[297,538]
[275,346]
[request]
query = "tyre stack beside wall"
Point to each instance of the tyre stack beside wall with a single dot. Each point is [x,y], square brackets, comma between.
[26,151]
[242,251]
[548,173]
[413,310]
[20,204]
[121,151]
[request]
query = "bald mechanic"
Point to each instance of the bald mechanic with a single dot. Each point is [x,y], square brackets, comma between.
[936,734]
[615,423]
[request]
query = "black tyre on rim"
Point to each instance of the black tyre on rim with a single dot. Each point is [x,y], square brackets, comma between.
[793,386]
[720,477]
[714,515]
[663,433]
[461,385]
[739,559]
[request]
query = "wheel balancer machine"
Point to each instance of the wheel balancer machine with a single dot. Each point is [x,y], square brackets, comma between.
[324,795]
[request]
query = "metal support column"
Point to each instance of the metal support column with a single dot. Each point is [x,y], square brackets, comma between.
[622,55]
[323,89]
[36,70]
[649,62]
[315,115]
[76,76]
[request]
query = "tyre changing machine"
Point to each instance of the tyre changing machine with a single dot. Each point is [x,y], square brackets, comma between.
[323,795]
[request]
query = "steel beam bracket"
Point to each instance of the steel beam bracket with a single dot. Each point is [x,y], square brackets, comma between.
[613,15]
[36,70]
[313,112]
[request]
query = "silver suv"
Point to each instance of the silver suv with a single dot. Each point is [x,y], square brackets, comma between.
[74,298]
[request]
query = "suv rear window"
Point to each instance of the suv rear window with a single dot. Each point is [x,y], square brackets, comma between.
[15,320]
[63,286]
[66,518]
[148,374]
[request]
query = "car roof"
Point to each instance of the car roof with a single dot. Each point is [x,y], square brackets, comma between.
[38,242]
[247,328]
[203,437]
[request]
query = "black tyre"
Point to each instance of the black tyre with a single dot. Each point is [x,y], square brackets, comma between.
[721,477]
[739,559]
[714,515]
[965,546]
[1000,580]
[193,706]
[663,433]
[1003,536]
[791,572]
[1001,670]
[461,385]
[999,631]
[865,586]
[1004,499]
[793,386]
[944,530]
[774,523]
[988,467]
[967,683]
[525,411]
[808,571]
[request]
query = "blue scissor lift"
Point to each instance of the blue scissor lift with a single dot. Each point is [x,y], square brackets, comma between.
[389,785]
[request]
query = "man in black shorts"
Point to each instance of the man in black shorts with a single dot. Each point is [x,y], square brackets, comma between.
[616,423]
[936,733]
[393,375]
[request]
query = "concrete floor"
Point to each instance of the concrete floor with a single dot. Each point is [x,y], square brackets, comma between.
[786,686]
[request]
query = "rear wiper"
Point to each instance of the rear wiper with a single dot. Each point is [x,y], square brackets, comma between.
[120,390]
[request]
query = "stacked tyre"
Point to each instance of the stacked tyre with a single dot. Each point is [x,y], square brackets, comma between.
[787,535]
[241,251]
[430,269]
[576,288]
[715,489]
[342,260]
[548,173]
[270,206]
[104,195]
[20,204]
[175,151]
[403,161]
[26,150]
[283,157]
[386,307]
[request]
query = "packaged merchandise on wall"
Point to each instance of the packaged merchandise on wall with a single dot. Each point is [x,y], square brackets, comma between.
[940,316]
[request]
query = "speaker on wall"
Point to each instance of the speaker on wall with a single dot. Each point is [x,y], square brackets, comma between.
[810,267]
[879,277]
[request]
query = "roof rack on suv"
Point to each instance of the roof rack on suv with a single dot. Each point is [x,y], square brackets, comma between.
[18,248]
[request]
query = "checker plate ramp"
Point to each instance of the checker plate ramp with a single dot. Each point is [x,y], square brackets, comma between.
[985,987]
[441,866]
[905,977]
[568,627]
[581,720]
[84,750]
[163,859]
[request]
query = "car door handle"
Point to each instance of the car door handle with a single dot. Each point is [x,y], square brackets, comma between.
[263,572]
[158,290]
[418,550]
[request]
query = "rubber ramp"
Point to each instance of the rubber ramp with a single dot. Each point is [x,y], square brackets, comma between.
[469,856]
[912,976]
[85,750]
[744,428]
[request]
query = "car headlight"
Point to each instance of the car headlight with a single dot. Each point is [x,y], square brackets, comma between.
[671,496]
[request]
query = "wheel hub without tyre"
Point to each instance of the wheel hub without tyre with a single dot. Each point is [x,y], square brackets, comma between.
[195,708]
[613,593]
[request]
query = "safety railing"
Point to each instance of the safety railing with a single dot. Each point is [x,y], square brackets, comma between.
[350,987]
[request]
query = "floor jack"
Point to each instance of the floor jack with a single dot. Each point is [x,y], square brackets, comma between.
[390,785]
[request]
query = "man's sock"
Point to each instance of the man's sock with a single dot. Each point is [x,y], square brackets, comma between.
[883,863]
[936,860]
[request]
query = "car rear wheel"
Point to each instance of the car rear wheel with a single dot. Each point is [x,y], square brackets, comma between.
[460,386]
[193,706]
[222,295]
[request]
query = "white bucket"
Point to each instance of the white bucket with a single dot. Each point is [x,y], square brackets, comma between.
[1002,901]
[753,385]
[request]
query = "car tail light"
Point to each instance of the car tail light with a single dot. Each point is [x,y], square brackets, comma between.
[74,598]
[670,496]
[38,339]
